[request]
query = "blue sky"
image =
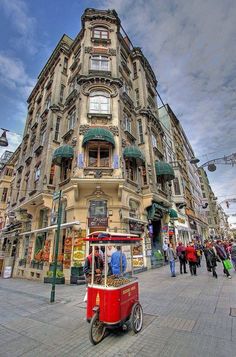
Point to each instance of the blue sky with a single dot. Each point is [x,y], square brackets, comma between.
[190,44]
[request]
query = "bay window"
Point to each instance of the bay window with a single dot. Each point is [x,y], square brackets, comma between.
[99,102]
[99,154]
[100,63]
[100,33]
[131,169]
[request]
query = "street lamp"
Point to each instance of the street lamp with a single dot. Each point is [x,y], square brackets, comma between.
[3,138]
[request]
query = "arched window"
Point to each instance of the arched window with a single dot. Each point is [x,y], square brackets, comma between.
[100,33]
[99,102]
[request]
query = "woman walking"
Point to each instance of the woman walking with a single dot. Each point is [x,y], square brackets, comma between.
[191,256]
[219,246]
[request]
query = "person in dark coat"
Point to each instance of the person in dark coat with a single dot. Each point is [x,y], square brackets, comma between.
[220,249]
[211,258]
[181,253]
[98,266]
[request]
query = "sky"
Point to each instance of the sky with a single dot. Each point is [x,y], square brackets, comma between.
[191,46]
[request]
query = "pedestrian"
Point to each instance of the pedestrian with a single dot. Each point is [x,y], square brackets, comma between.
[118,262]
[233,254]
[171,256]
[211,258]
[98,268]
[181,253]
[198,248]
[110,250]
[191,256]
[220,249]
[164,248]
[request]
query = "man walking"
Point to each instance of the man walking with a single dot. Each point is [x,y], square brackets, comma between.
[171,257]
[181,253]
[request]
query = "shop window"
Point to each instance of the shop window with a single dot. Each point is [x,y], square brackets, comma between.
[57,129]
[98,209]
[98,154]
[66,169]
[99,102]
[100,33]
[176,186]
[131,169]
[39,243]
[4,194]
[99,63]
[133,209]
[140,132]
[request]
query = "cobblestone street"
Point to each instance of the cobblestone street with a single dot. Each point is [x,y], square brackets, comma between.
[183,316]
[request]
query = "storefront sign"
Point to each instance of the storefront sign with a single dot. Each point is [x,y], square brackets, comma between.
[136,227]
[98,222]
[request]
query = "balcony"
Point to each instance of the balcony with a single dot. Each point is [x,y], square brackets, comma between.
[101,116]
[98,172]
[71,98]
[38,150]
[100,72]
[101,41]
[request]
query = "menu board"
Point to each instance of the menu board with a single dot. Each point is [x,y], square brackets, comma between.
[138,256]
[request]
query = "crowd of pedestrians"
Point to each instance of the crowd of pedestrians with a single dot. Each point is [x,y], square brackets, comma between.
[216,253]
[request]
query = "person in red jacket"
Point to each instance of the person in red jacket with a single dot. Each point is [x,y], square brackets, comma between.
[191,256]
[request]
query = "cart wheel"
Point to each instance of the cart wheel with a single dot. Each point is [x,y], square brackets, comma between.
[96,329]
[136,317]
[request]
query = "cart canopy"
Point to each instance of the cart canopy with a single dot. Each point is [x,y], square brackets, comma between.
[112,238]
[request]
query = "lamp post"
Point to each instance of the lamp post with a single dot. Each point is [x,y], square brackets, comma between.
[3,138]
[57,195]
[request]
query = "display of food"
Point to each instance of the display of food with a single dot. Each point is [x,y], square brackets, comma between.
[115,281]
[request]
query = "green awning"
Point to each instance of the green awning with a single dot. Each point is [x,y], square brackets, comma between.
[156,211]
[133,152]
[98,134]
[63,152]
[164,170]
[173,214]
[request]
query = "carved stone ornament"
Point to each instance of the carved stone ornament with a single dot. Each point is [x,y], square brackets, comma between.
[88,49]
[74,141]
[114,129]
[96,82]
[112,51]
[124,143]
[83,129]
[98,192]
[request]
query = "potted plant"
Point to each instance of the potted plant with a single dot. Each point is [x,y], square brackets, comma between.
[76,272]
[60,279]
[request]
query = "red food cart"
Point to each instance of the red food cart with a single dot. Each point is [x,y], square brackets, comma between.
[114,301]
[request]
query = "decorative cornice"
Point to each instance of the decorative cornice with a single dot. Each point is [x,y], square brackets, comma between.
[88,83]
[100,15]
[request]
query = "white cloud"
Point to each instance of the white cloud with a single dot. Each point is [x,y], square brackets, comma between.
[18,15]
[191,47]
[14,76]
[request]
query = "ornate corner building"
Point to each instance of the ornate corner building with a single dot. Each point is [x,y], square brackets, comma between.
[93,133]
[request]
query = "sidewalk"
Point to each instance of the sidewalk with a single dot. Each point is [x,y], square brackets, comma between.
[183,316]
